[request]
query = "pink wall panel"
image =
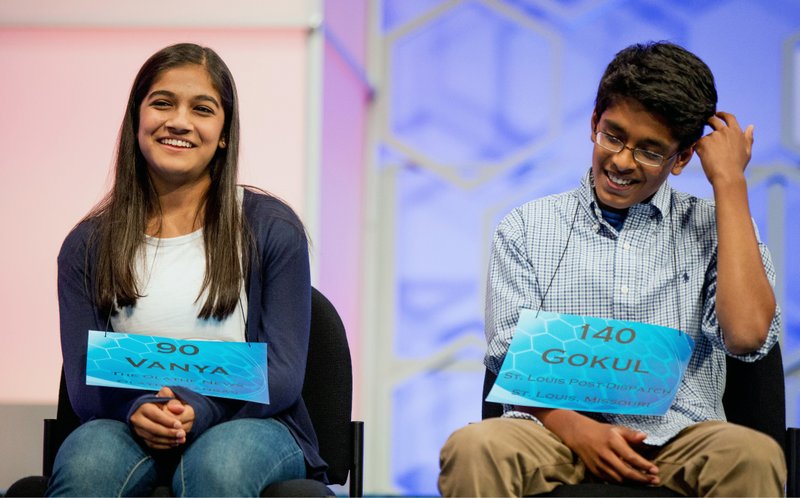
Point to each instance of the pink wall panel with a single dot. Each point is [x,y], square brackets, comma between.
[345,105]
[62,94]
[342,184]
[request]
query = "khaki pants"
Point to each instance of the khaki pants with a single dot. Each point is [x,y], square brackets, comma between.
[515,457]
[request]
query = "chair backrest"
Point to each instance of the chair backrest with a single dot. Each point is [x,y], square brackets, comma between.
[56,430]
[754,395]
[328,387]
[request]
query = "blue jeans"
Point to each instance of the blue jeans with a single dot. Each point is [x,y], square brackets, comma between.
[236,458]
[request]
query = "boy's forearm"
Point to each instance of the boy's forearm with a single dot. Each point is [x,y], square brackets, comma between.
[745,300]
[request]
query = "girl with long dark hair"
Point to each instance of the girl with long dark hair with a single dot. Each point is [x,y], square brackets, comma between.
[177,249]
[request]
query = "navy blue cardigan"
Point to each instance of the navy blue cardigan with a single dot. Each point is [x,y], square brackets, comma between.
[279,313]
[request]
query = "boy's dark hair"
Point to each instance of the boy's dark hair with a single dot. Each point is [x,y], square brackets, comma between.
[667,80]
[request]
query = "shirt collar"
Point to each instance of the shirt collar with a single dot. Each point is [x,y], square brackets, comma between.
[659,205]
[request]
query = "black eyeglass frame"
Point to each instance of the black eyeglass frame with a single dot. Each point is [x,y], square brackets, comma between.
[634,150]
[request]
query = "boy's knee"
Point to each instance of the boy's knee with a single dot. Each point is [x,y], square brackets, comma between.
[742,453]
[470,441]
[764,453]
[750,462]
[493,442]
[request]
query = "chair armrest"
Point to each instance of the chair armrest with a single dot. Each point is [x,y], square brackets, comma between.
[792,451]
[357,465]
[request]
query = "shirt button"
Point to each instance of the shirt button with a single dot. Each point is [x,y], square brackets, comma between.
[627,246]
[595,227]
[624,289]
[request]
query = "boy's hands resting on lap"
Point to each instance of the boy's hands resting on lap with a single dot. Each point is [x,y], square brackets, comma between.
[606,450]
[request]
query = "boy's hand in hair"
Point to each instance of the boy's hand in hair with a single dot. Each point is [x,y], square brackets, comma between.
[725,152]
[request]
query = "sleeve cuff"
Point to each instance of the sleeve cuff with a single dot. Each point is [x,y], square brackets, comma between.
[147,398]
[521,415]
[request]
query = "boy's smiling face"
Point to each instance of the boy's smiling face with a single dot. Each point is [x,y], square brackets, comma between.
[620,181]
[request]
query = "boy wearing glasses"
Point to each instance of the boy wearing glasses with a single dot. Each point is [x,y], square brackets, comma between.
[625,245]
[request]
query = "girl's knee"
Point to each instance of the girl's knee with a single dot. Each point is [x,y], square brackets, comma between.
[101,458]
[98,445]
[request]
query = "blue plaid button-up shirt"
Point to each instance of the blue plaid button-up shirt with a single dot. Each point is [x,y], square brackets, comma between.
[661,268]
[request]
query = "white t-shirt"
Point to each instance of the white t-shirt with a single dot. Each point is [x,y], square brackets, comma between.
[169,276]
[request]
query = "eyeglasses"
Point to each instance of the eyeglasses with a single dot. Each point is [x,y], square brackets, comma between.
[641,156]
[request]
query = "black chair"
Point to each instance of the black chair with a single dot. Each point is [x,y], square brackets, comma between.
[327,392]
[754,396]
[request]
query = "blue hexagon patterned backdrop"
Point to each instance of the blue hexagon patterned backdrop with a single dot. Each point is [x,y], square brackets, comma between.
[485,105]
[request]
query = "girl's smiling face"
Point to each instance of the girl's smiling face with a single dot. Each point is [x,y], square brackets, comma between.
[180,126]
